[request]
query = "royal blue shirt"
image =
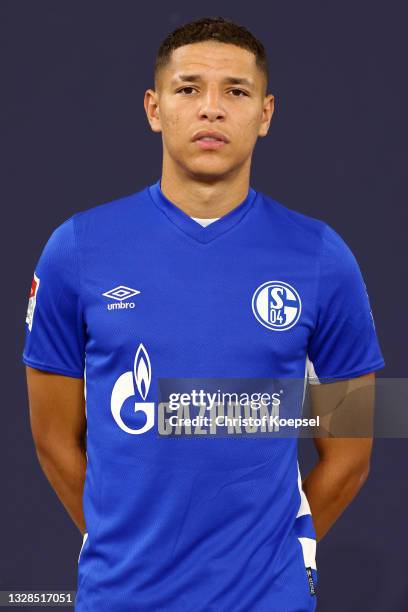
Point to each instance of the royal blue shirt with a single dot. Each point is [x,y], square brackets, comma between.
[133,291]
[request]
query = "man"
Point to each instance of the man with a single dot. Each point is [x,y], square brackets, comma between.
[196,276]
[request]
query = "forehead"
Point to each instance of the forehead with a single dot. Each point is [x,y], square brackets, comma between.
[213,57]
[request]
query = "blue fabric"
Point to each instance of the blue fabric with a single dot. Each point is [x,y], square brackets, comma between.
[200,523]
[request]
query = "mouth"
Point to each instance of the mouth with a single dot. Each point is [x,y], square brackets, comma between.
[209,143]
[210,140]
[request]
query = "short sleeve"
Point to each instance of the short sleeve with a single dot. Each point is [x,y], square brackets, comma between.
[344,342]
[55,334]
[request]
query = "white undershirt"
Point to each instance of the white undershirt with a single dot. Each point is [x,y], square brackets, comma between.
[204,222]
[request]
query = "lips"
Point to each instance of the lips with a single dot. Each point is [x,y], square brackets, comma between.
[210,136]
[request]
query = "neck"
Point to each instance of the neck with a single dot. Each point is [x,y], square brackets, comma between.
[201,198]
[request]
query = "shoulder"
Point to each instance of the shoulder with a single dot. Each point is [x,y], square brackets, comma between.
[292,220]
[112,208]
[305,227]
[96,222]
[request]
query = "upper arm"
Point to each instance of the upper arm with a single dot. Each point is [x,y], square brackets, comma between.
[54,348]
[55,326]
[57,408]
[343,342]
[343,354]
[346,411]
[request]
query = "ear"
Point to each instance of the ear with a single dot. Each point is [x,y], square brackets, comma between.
[151,107]
[267,112]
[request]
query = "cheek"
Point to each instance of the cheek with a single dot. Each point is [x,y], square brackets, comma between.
[176,127]
[174,118]
[250,127]
[252,122]
[246,134]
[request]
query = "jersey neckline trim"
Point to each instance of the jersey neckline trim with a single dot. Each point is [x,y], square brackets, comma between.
[191,227]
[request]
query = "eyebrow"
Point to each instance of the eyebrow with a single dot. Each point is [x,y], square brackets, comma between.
[232,80]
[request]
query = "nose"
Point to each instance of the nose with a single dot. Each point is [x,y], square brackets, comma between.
[211,106]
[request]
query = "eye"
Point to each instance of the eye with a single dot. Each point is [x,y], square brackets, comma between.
[240,91]
[184,89]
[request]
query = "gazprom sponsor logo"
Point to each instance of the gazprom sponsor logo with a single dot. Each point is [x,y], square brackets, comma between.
[132,384]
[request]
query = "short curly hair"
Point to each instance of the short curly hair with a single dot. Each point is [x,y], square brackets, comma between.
[216,29]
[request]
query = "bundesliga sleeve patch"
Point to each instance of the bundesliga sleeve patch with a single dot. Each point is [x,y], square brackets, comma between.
[31,301]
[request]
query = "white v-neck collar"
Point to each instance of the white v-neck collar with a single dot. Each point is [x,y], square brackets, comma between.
[191,227]
[205,222]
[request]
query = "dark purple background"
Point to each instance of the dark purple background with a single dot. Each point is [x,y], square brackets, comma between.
[74,135]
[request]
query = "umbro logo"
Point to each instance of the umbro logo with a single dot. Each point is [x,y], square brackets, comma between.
[120,294]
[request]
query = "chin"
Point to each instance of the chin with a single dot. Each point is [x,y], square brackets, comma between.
[207,176]
[208,171]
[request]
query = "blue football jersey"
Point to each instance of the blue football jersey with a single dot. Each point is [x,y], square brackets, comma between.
[133,291]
